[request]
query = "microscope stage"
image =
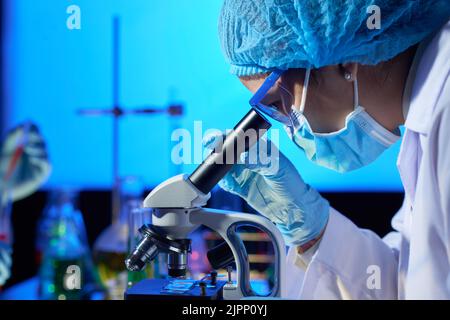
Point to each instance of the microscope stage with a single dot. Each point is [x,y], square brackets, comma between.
[153,289]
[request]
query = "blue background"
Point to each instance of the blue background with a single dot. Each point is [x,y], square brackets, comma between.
[170,53]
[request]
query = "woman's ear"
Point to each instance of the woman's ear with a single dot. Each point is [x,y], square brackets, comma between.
[349,71]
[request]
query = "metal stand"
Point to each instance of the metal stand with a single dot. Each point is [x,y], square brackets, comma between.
[117,112]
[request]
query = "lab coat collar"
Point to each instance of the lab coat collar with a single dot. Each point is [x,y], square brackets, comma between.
[430,76]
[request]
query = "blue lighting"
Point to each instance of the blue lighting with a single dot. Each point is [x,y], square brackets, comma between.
[169,53]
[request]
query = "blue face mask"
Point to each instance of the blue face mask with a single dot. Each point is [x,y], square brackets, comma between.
[358,144]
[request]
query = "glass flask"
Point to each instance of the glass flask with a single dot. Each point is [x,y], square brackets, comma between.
[66,269]
[111,247]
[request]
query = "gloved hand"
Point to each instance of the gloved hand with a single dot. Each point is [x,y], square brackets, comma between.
[276,190]
[32,168]
[5,262]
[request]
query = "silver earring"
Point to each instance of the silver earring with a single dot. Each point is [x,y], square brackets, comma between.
[348,76]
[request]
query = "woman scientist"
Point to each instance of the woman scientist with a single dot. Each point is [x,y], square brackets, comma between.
[345,82]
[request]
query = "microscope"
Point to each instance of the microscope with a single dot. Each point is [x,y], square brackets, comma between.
[178,209]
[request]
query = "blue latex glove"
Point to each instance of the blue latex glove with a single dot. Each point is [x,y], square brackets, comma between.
[5,262]
[32,169]
[276,190]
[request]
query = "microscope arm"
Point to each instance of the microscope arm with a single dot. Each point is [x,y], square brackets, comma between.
[178,211]
[226,224]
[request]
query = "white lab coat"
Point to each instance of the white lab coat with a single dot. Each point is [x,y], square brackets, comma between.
[414,261]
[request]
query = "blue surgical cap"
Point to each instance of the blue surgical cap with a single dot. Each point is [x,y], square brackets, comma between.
[260,35]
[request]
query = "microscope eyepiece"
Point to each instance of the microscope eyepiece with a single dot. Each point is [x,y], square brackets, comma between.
[244,135]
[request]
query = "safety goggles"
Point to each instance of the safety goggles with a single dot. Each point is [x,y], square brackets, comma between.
[270,111]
